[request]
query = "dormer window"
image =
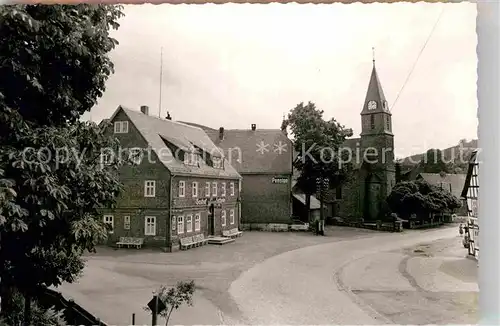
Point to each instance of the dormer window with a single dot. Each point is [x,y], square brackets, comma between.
[191,158]
[217,163]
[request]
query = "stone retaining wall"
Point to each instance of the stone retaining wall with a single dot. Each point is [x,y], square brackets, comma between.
[378,225]
[270,227]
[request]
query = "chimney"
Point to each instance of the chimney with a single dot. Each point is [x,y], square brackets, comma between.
[168,116]
[145,109]
[221,133]
[254,126]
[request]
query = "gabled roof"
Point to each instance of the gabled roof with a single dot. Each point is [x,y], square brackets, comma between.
[197,125]
[455,180]
[470,171]
[260,150]
[412,173]
[156,130]
[375,93]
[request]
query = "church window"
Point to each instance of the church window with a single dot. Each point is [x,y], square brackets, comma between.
[387,124]
[372,121]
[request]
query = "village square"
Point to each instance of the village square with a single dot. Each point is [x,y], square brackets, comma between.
[229,228]
[207,208]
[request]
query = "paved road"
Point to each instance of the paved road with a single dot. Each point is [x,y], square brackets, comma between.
[365,281]
[117,283]
[348,277]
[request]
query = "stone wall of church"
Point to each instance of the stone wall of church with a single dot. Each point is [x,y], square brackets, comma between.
[349,206]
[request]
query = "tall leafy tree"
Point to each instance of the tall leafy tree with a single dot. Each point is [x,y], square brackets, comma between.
[54,65]
[317,142]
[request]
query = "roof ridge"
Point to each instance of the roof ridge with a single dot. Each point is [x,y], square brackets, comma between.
[159,118]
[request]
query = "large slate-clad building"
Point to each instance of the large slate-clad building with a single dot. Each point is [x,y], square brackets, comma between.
[263,158]
[170,190]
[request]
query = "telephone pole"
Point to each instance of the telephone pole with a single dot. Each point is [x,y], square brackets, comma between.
[161,80]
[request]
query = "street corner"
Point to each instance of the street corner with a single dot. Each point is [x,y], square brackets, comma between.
[375,273]
[443,274]
[441,266]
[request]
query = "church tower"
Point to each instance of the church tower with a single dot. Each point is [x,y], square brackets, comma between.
[377,149]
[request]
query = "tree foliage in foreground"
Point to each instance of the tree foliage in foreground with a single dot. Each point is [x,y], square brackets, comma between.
[317,142]
[421,198]
[55,61]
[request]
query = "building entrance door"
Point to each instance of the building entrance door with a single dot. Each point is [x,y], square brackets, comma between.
[211,220]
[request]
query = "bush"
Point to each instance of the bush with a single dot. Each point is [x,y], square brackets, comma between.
[174,298]
[420,198]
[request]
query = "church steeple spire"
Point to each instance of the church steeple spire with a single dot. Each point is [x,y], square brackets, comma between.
[375,99]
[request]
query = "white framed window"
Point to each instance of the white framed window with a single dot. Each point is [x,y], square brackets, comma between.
[217,163]
[223,190]
[195,158]
[126,222]
[231,216]
[231,188]
[182,188]
[121,127]
[189,223]
[223,217]
[197,222]
[194,189]
[191,158]
[150,225]
[174,223]
[214,189]
[149,188]
[180,224]
[105,158]
[109,220]
[207,189]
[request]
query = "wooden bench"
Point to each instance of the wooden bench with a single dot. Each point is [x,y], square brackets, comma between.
[186,243]
[130,242]
[233,233]
[200,240]
[193,241]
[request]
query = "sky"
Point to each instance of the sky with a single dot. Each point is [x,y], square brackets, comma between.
[233,65]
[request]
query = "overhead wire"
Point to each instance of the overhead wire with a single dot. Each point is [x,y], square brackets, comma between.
[418,57]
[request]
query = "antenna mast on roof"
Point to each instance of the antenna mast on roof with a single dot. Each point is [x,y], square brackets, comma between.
[161,77]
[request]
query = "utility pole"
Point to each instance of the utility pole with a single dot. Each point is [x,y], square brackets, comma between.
[154,320]
[161,80]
